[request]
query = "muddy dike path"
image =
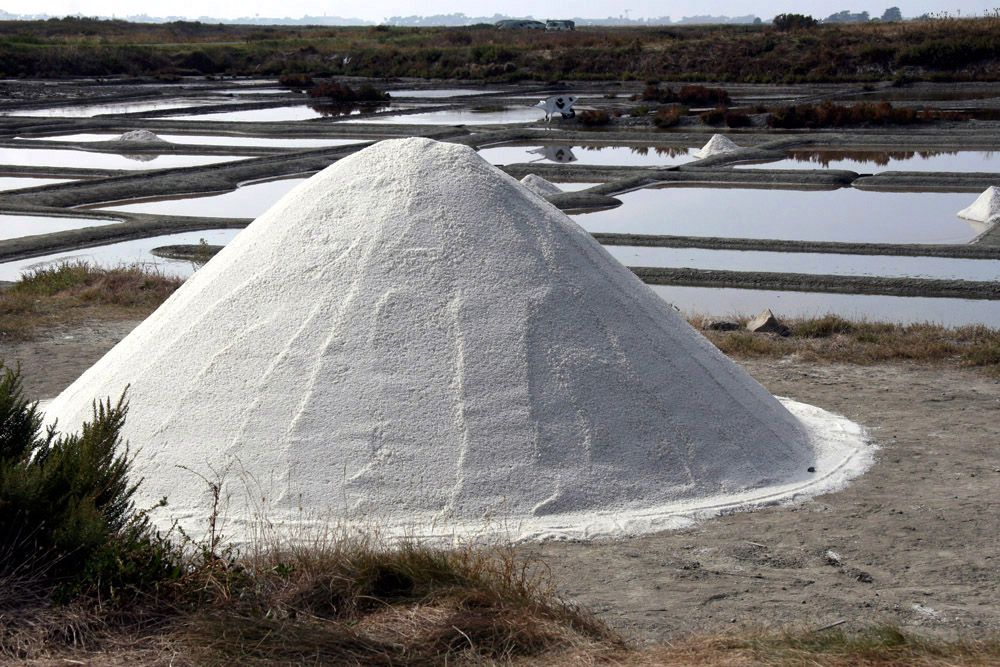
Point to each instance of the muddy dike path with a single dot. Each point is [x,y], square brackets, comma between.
[911,542]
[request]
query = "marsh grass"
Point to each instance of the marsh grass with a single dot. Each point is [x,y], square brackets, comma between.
[834,339]
[75,291]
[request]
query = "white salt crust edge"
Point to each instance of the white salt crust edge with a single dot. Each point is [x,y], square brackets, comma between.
[842,448]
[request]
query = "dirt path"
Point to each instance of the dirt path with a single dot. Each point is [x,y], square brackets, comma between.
[917,536]
[915,539]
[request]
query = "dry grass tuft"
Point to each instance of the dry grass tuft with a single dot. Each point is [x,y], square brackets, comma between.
[75,291]
[832,339]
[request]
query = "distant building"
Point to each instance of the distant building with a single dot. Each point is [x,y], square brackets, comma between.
[560,25]
[519,24]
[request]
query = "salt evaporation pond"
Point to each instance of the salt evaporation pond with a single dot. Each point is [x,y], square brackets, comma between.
[439,92]
[16,182]
[846,214]
[247,201]
[730,302]
[459,117]
[58,157]
[89,110]
[126,253]
[813,263]
[280,114]
[17,226]
[876,161]
[632,156]
[210,140]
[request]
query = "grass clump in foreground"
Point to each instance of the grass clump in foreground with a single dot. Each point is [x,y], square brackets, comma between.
[75,291]
[83,574]
[835,339]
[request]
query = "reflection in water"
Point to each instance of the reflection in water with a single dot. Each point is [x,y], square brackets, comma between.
[333,110]
[560,154]
[880,158]
[139,157]
[862,161]
[662,151]
[592,154]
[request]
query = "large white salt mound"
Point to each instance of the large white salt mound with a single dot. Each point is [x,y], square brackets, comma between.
[141,136]
[716,145]
[985,208]
[413,339]
[539,185]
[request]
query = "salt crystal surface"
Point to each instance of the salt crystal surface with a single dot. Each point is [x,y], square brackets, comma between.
[141,136]
[985,208]
[717,145]
[539,185]
[412,339]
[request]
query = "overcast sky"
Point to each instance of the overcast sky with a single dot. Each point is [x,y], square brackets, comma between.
[375,10]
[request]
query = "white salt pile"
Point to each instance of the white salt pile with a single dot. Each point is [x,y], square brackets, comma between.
[539,185]
[717,145]
[986,208]
[141,136]
[412,339]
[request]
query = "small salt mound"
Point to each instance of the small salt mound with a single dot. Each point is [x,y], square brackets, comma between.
[716,145]
[141,136]
[986,208]
[411,339]
[539,185]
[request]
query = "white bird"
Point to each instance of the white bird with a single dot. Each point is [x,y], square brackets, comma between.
[562,104]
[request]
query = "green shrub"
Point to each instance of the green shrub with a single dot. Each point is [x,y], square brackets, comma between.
[786,22]
[66,511]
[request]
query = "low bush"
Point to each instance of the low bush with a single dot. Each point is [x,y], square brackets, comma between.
[714,116]
[67,519]
[737,119]
[342,93]
[296,81]
[692,95]
[593,117]
[829,114]
[669,116]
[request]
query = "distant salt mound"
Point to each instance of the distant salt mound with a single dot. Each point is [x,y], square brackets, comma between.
[985,209]
[539,185]
[141,136]
[412,340]
[717,145]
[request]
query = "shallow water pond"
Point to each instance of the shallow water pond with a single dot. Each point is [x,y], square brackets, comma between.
[728,302]
[15,182]
[57,157]
[439,92]
[459,117]
[210,140]
[632,156]
[17,226]
[846,214]
[126,253]
[287,113]
[875,161]
[89,110]
[815,263]
[248,201]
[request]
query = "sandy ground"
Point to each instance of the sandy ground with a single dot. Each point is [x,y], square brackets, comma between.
[915,541]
